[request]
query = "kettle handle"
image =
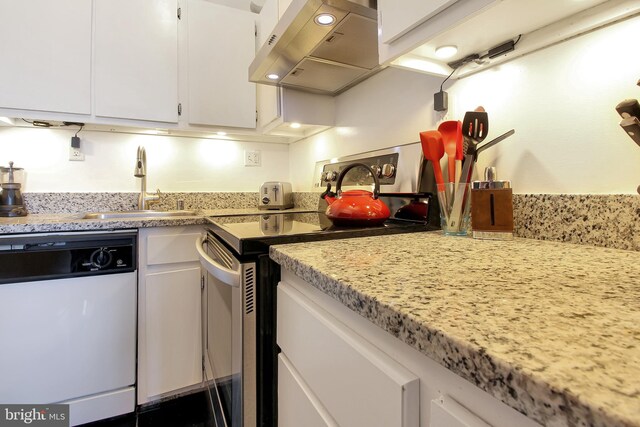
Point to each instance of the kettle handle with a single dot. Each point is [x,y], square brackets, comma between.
[376,181]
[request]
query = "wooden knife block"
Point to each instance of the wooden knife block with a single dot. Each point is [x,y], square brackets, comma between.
[492,210]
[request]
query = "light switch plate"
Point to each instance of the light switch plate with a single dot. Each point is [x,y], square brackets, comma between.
[252,158]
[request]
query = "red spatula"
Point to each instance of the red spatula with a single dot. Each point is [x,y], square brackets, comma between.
[433,150]
[452,139]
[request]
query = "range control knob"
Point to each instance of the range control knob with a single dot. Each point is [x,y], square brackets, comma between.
[376,170]
[388,170]
[101,258]
[331,176]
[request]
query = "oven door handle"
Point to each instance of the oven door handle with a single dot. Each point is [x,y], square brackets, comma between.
[225,275]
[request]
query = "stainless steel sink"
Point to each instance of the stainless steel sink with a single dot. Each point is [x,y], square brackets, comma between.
[137,214]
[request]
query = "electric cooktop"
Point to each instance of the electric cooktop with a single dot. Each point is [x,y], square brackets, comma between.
[253,234]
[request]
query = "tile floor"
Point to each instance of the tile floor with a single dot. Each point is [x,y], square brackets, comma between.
[186,411]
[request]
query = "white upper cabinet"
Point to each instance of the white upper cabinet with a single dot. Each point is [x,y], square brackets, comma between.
[221,45]
[136,59]
[46,55]
[267,96]
[411,30]
[398,20]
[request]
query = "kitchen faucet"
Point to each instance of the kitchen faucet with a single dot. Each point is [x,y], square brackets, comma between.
[144,199]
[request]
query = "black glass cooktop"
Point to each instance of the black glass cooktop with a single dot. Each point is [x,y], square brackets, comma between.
[253,234]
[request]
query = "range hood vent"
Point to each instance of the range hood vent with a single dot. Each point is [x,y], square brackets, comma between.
[325,59]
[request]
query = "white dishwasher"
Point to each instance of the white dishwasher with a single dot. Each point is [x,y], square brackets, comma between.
[68,321]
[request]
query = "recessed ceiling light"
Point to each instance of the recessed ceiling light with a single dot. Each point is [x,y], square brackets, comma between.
[325,19]
[273,76]
[295,125]
[446,51]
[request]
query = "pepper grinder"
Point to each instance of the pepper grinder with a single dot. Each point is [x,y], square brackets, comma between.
[491,207]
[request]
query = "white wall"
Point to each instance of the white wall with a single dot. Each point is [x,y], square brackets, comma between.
[559,100]
[173,163]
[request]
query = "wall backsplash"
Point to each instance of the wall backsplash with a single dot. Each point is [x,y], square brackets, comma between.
[174,164]
[611,221]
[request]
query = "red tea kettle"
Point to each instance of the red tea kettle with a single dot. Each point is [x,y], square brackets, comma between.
[355,207]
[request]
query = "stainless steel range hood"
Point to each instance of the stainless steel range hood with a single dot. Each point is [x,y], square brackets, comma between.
[326,59]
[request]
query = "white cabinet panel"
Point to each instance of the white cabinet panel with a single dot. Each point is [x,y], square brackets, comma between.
[297,406]
[136,59]
[169,312]
[267,97]
[171,248]
[46,55]
[357,383]
[399,17]
[221,45]
[173,340]
[446,412]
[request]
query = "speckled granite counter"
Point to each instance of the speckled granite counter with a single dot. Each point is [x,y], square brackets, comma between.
[38,223]
[551,329]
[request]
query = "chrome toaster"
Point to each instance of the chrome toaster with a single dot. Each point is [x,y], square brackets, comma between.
[275,195]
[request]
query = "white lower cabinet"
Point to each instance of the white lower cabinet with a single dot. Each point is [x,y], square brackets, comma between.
[446,412]
[297,405]
[353,381]
[169,313]
[360,375]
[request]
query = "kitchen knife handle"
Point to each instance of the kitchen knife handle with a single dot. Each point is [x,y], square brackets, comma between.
[628,108]
[631,125]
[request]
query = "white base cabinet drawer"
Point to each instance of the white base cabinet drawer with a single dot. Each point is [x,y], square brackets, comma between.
[358,384]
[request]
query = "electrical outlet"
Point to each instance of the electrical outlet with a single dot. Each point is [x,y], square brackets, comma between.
[76,155]
[252,158]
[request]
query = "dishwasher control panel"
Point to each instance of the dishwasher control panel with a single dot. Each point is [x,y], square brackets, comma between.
[31,257]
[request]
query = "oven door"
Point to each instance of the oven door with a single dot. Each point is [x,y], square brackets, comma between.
[229,334]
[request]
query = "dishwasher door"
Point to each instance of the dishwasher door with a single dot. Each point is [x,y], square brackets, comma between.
[67,338]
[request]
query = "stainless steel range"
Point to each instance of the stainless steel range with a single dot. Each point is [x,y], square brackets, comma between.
[240,351]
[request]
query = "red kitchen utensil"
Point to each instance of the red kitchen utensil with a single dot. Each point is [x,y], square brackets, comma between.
[433,149]
[452,139]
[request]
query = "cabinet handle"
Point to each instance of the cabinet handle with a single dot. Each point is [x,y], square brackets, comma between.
[225,275]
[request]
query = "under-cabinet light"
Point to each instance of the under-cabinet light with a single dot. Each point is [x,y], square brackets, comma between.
[295,125]
[325,19]
[446,51]
[273,76]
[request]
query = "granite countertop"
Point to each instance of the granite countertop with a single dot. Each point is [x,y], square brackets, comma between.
[37,223]
[551,329]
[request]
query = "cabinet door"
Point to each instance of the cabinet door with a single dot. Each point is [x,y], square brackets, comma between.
[46,55]
[357,384]
[297,406]
[268,97]
[136,59]
[172,328]
[221,46]
[397,19]
[446,412]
